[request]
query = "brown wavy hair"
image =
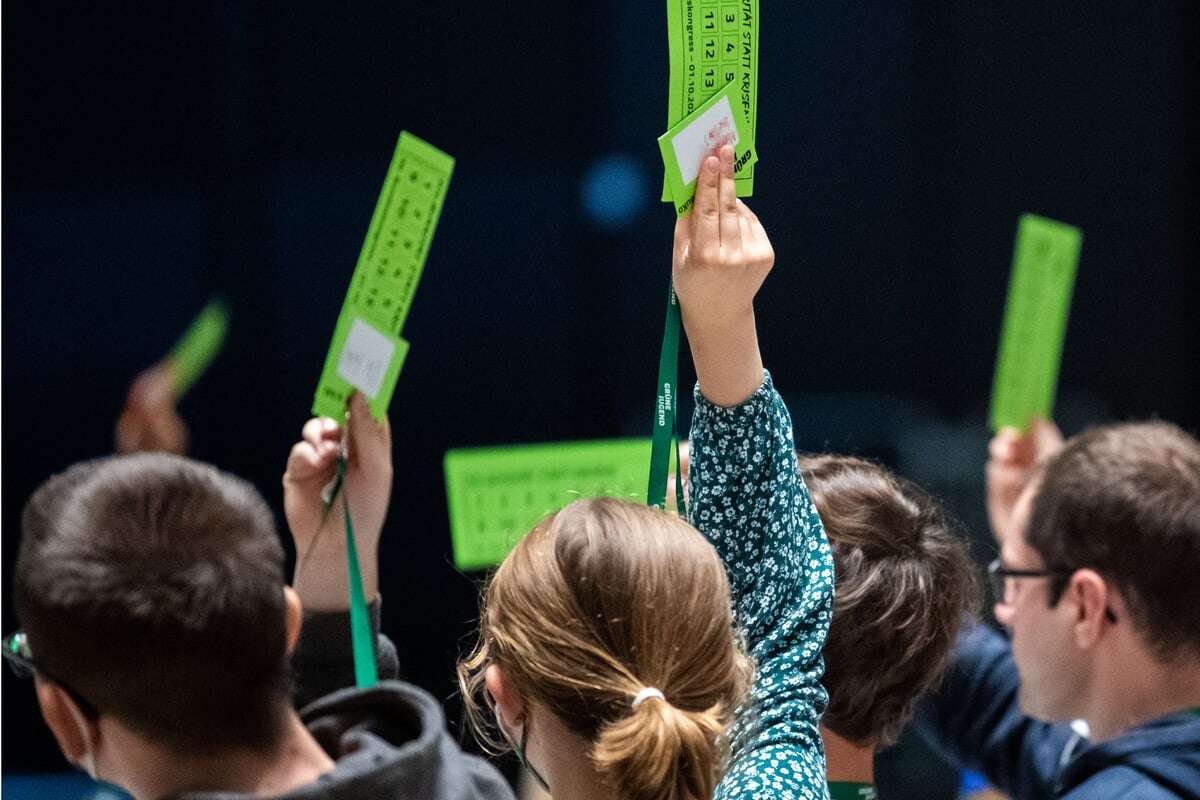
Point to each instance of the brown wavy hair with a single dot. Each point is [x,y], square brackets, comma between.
[596,603]
[904,585]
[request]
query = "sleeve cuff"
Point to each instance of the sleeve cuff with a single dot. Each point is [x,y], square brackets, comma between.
[719,417]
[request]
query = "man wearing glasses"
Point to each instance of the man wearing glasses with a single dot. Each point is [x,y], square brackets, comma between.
[1098,586]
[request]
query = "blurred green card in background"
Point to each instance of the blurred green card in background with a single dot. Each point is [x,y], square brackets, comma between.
[497,494]
[1035,321]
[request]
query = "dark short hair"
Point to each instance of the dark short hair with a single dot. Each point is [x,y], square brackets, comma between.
[153,586]
[904,585]
[1124,500]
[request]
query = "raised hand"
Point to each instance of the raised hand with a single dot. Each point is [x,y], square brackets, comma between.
[1012,458]
[149,421]
[721,257]
[318,530]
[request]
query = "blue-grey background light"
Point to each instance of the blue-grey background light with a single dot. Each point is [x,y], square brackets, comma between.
[614,191]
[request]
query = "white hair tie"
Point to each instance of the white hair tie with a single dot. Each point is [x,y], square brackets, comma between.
[646,694]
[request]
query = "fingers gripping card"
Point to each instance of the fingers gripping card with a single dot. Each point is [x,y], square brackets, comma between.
[700,134]
[367,351]
[497,494]
[1035,320]
[711,44]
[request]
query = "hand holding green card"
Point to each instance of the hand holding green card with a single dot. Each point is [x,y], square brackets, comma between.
[1035,321]
[367,351]
[700,134]
[497,494]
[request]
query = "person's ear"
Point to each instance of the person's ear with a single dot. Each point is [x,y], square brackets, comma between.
[507,700]
[78,736]
[1090,594]
[293,617]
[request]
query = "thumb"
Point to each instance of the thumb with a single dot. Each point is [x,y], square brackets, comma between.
[1047,438]
[370,441]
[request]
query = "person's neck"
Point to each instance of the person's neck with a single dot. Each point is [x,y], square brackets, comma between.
[1137,689]
[294,761]
[846,761]
[567,765]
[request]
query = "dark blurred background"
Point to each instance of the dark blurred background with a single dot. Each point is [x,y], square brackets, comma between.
[155,155]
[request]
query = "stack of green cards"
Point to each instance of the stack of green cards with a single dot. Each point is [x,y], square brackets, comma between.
[367,351]
[714,124]
[1035,320]
[497,494]
[198,346]
[713,44]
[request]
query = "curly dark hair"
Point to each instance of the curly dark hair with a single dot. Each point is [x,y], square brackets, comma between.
[905,584]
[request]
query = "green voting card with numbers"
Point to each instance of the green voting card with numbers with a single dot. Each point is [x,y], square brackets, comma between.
[497,494]
[711,44]
[367,351]
[1035,321]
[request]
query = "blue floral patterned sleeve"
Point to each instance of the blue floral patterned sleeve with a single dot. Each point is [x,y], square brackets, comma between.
[749,499]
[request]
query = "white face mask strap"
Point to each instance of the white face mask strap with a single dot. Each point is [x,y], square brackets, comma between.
[646,694]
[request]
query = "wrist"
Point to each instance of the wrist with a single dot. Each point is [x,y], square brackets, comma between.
[718,327]
[728,364]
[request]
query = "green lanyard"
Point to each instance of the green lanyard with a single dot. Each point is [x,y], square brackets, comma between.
[365,671]
[847,790]
[666,424]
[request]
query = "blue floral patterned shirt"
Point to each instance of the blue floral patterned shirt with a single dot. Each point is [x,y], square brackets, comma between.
[749,499]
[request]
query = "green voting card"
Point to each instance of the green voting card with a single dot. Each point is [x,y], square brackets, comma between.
[198,346]
[714,124]
[1035,320]
[712,43]
[497,494]
[367,351]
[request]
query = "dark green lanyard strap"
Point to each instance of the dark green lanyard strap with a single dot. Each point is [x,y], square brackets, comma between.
[666,423]
[365,671]
[848,790]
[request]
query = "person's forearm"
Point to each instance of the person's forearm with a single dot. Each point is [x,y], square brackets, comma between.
[322,579]
[729,366]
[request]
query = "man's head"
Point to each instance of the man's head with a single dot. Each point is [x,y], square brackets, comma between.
[904,584]
[151,591]
[1111,527]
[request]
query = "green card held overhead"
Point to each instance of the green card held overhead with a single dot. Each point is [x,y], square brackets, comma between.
[711,44]
[1035,321]
[367,351]
[198,346]
[497,494]
[700,134]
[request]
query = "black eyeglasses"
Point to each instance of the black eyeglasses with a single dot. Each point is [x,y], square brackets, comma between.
[20,660]
[998,576]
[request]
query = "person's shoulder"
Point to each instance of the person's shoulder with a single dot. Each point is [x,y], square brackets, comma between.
[1160,759]
[779,770]
[390,740]
[1126,782]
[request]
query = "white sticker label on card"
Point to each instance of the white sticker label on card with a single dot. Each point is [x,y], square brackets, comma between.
[365,358]
[706,135]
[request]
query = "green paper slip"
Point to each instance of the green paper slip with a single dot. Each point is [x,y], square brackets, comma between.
[700,134]
[712,43]
[497,494]
[199,345]
[1035,320]
[367,352]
